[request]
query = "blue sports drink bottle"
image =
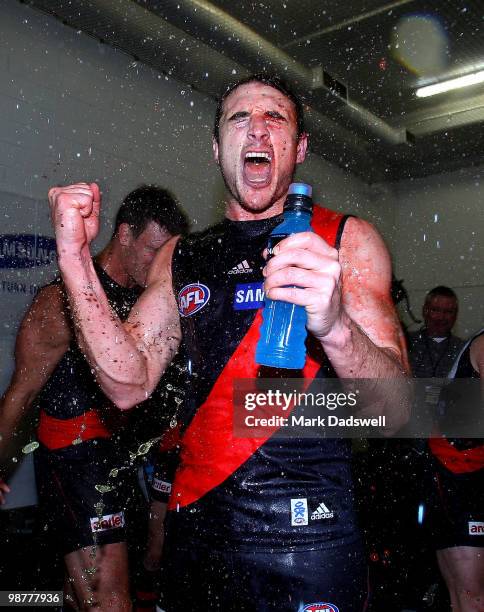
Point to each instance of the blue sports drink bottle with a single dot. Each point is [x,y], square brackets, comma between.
[283,330]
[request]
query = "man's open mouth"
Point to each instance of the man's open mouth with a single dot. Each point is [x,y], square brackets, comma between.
[257,167]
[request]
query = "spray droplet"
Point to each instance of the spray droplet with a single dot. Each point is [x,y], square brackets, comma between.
[103,488]
[144,448]
[29,448]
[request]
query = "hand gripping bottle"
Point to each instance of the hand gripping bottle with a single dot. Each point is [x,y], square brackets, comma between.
[283,330]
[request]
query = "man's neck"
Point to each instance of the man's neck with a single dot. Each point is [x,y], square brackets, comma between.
[235,211]
[110,261]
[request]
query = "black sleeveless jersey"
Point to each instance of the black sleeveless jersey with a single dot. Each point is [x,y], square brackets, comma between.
[461,406]
[255,494]
[72,389]
[464,368]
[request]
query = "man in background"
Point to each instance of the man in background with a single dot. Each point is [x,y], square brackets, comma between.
[433,348]
[432,351]
[456,509]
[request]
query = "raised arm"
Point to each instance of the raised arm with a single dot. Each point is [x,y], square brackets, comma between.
[129,358]
[347,298]
[42,340]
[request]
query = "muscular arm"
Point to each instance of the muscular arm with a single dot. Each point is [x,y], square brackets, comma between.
[42,340]
[366,341]
[347,299]
[128,358]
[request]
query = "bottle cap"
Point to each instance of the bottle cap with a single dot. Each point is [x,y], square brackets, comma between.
[300,189]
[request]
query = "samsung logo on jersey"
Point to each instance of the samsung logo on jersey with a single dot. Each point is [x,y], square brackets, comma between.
[26,251]
[248,296]
[192,298]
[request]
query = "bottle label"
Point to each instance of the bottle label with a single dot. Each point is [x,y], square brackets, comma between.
[271,243]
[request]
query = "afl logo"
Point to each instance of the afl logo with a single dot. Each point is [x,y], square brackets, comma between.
[320,607]
[192,298]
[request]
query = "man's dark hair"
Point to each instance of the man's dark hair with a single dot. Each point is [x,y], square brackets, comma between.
[441,291]
[151,203]
[270,80]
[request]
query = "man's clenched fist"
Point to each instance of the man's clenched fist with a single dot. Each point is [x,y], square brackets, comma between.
[75,217]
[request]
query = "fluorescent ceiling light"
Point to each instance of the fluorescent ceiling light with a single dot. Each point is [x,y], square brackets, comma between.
[437,88]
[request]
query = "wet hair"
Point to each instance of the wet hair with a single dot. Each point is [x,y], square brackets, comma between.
[151,203]
[271,81]
[441,291]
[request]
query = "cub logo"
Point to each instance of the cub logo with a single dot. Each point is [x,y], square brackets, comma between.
[192,298]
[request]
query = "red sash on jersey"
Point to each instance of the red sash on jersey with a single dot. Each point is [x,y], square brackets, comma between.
[59,433]
[210,452]
[455,460]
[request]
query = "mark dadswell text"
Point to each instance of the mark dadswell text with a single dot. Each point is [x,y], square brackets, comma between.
[319,421]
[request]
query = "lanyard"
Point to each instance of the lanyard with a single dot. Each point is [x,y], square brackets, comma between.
[435,364]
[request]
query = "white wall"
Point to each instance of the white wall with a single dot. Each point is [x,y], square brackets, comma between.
[74,109]
[439,240]
[337,189]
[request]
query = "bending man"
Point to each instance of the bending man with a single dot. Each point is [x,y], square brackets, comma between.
[76,451]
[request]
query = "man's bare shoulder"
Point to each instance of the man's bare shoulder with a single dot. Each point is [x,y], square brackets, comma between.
[53,295]
[48,316]
[364,255]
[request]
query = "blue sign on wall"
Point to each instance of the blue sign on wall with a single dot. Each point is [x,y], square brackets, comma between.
[26,251]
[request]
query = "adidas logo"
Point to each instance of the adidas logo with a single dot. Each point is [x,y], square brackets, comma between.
[322,512]
[241,268]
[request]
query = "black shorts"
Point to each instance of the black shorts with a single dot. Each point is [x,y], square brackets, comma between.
[331,580]
[81,500]
[455,514]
